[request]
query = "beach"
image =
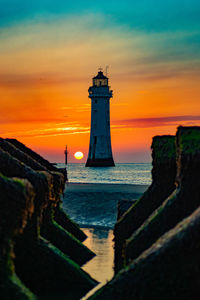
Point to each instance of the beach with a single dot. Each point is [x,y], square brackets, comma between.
[94,207]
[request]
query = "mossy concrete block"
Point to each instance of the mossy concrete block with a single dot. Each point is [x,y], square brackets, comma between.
[188,139]
[181,203]
[169,269]
[37,157]
[49,273]
[58,185]
[58,177]
[21,156]
[66,242]
[32,154]
[63,220]
[41,181]
[56,188]
[16,207]
[163,184]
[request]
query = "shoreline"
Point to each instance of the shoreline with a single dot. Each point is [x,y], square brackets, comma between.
[74,187]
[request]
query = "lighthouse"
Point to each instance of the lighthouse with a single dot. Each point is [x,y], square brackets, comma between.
[100,150]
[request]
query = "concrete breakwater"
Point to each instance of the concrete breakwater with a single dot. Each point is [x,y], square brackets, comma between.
[41,250]
[157,241]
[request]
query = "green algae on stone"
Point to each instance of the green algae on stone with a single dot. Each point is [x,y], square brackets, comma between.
[189,139]
[49,273]
[163,147]
[41,181]
[179,205]
[63,220]
[16,206]
[66,242]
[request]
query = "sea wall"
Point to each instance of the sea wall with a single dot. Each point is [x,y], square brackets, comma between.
[41,249]
[157,256]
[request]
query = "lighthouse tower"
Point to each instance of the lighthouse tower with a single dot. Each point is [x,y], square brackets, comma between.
[100,151]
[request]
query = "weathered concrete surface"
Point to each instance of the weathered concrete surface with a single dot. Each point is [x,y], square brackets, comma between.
[181,203]
[16,206]
[21,156]
[123,206]
[32,154]
[163,178]
[65,241]
[170,269]
[49,273]
[63,220]
[41,181]
[37,157]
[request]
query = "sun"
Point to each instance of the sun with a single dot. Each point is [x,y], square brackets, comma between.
[78,155]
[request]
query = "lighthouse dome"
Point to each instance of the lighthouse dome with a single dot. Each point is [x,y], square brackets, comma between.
[100,79]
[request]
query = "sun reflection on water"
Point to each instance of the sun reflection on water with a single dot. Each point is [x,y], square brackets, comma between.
[100,241]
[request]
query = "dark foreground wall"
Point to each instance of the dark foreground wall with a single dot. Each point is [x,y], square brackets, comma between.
[30,264]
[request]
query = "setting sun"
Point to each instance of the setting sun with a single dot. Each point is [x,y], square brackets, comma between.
[78,155]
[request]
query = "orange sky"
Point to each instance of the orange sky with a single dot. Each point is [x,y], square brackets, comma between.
[46,69]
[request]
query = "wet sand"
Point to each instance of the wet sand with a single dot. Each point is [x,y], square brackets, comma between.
[105,187]
[92,205]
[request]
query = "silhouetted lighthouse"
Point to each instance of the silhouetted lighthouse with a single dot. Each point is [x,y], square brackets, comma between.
[100,151]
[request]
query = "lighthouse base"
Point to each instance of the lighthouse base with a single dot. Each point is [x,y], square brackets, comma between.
[100,162]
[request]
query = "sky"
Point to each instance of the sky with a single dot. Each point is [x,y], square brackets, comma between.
[50,50]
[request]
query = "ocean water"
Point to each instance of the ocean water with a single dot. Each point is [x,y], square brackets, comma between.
[96,211]
[135,173]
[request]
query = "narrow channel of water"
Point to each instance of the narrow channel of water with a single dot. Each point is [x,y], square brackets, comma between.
[100,241]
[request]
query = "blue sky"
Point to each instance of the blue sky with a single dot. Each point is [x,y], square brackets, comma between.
[148,15]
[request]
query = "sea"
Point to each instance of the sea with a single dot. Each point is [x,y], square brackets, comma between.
[129,173]
[96,211]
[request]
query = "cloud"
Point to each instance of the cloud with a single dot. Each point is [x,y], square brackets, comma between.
[55,51]
[39,80]
[59,129]
[157,122]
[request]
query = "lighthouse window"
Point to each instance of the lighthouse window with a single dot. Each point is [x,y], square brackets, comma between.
[95,101]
